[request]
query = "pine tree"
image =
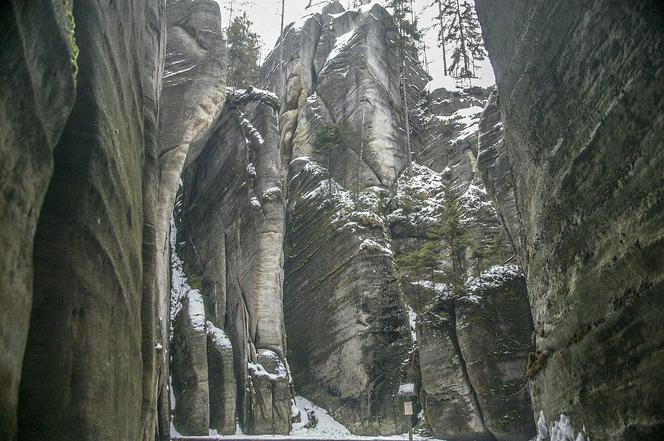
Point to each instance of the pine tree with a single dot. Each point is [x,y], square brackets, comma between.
[440,24]
[464,36]
[330,140]
[408,35]
[243,53]
[454,235]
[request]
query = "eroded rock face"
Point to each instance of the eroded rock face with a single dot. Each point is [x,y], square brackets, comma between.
[493,328]
[89,340]
[449,134]
[341,69]
[580,94]
[194,91]
[462,397]
[36,96]
[493,163]
[339,276]
[221,377]
[231,234]
[190,367]
[449,401]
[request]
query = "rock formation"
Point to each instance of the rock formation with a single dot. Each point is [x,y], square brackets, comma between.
[37,94]
[346,224]
[230,235]
[162,231]
[580,93]
[92,333]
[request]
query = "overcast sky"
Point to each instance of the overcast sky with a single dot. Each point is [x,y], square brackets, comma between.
[266,15]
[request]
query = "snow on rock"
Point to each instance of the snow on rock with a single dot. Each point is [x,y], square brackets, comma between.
[419,196]
[412,322]
[560,430]
[341,43]
[494,277]
[219,337]
[251,130]
[257,370]
[440,289]
[316,422]
[473,201]
[180,288]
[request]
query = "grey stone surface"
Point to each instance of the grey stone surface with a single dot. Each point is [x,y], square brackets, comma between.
[83,365]
[494,327]
[189,367]
[449,401]
[221,377]
[448,136]
[345,70]
[37,89]
[339,276]
[496,170]
[232,227]
[192,97]
[268,404]
[581,98]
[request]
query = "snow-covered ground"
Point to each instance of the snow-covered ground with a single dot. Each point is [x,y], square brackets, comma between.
[317,423]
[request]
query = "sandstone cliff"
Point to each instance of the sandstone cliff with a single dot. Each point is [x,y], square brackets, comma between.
[580,93]
[92,91]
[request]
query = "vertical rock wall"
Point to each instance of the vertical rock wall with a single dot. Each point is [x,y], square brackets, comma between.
[231,228]
[581,97]
[37,92]
[90,333]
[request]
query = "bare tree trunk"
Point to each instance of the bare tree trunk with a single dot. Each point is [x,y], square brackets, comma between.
[462,39]
[442,35]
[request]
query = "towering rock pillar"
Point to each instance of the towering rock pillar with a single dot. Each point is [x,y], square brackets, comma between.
[88,342]
[37,89]
[580,87]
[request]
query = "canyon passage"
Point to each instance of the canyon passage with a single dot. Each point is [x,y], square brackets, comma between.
[220,226]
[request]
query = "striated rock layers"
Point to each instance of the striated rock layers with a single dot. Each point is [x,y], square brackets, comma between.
[80,97]
[581,98]
[341,72]
[352,214]
[230,235]
[37,91]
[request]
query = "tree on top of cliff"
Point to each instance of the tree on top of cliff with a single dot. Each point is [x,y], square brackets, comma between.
[464,36]
[330,141]
[243,53]
[439,23]
[408,35]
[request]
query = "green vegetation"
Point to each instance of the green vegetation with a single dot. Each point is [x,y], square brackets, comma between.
[331,141]
[450,238]
[243,53]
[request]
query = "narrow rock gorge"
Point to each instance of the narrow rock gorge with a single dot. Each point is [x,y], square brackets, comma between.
[580,94]
[182,257]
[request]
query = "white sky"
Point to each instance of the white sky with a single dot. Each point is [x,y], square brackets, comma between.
[266,16]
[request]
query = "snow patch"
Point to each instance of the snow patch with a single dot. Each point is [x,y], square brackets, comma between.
[560,430]
[494,277]
[219,337]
